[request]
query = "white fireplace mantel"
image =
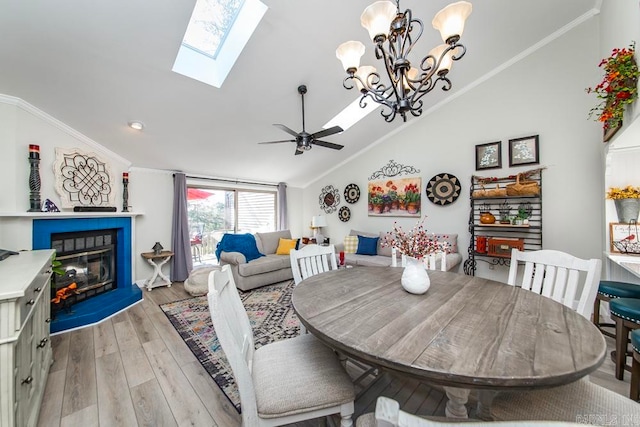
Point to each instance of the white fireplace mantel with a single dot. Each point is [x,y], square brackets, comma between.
[58,215]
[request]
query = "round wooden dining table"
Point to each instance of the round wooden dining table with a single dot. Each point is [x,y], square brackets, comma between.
[464,333]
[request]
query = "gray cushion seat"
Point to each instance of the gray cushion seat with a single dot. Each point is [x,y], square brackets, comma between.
[300,363]
[581,401]
[264,264]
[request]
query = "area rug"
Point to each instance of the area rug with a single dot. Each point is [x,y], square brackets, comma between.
[272,319]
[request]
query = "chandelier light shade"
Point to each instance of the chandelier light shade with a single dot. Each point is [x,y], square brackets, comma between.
[394,34]
[350,53]
[450,20]
[377,18]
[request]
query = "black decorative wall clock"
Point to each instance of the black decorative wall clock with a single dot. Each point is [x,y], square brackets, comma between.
[329,199]
[443,189]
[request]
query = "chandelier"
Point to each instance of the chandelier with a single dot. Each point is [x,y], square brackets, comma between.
[394,35]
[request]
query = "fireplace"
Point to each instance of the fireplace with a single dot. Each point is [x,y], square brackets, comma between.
[88,261]
[96,255]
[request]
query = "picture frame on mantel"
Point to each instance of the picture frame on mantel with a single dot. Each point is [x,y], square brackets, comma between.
[489,156]
[524,151]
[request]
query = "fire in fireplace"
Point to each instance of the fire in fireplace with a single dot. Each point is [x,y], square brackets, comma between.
[88,260]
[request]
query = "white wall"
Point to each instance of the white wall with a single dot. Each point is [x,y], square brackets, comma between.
[542,94]
[150,191]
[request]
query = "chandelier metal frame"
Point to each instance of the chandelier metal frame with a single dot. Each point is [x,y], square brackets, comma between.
[407,85]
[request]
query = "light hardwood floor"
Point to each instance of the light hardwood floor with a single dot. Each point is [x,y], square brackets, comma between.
[135,370]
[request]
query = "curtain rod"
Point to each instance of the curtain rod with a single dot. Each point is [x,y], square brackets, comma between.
[230,180]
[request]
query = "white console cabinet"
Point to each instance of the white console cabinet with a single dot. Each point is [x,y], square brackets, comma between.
[25,348]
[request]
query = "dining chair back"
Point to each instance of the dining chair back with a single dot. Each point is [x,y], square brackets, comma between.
[389,414]
[558,275]
[312,260]
[284,382]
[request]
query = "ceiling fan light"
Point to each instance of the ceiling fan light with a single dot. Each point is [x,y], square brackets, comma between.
[450,20]
[377,18]
[447,60]
[364,72]
[349,53]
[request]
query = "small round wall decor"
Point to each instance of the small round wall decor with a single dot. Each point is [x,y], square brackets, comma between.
[352,193]
[443,189]
[344,214]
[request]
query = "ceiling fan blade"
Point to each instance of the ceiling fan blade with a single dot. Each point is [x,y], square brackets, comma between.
[299,152]
[327,132]
[277,142]
[328,144]
[286,129]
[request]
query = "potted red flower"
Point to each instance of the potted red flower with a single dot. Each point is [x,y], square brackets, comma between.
[617,89]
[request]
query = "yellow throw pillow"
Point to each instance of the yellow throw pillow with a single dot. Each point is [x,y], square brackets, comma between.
[350,244]
[285,246]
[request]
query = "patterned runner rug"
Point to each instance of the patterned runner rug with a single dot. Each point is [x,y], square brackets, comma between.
[272,319]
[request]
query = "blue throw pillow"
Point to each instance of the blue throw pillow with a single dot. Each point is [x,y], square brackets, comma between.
[367,245]
[243,243]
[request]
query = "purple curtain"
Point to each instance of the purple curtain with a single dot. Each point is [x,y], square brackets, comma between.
[181,263]
[283,220]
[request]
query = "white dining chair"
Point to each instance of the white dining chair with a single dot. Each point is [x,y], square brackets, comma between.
[283,382]
[557,275]
[311,260]
[389,414]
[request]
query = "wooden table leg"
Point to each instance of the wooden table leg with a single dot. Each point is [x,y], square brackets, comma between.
[157,271]
[485,399]
[455,407]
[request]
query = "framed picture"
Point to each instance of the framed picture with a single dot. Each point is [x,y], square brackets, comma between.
[524,151]
[489,156]
[395,197]
[619,231]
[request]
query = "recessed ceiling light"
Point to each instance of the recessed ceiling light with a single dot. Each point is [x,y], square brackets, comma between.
[136,125]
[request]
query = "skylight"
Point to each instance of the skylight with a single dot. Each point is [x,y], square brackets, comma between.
[352,114]
[216,34]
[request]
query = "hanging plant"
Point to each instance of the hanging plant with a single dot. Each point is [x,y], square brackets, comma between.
[617,88]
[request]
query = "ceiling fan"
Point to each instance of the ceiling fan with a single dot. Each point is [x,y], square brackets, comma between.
[303,139]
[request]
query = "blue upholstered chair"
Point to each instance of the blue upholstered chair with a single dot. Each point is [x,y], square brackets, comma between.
[608,290]
[634,390]
[626,313]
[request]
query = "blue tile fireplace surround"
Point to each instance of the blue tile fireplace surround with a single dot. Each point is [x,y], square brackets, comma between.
[104,305]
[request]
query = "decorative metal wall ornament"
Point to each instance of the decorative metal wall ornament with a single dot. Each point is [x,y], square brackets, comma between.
[443,189]
[329,199]
[344,214]
[392,169]
[352,193]
[82,179]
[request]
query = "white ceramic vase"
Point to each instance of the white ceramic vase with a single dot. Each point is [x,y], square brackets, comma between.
[415,279]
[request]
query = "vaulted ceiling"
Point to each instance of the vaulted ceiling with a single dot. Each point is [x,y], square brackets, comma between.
[96,65]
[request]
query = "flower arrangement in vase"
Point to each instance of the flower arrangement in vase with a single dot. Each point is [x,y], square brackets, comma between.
[617,89]
[627,202]
[416,245]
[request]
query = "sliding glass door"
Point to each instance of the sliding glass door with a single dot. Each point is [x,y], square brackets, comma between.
[215,211]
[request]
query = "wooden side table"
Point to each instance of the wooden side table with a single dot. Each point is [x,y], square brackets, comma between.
[157,261]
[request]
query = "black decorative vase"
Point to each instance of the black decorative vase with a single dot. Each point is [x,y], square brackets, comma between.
[34,178]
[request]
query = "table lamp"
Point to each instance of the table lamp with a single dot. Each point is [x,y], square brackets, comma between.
[318,222]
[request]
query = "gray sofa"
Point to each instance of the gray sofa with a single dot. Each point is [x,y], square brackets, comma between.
[262,271]
[383,256]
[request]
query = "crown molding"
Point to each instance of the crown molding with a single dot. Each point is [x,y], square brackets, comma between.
[36,112]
